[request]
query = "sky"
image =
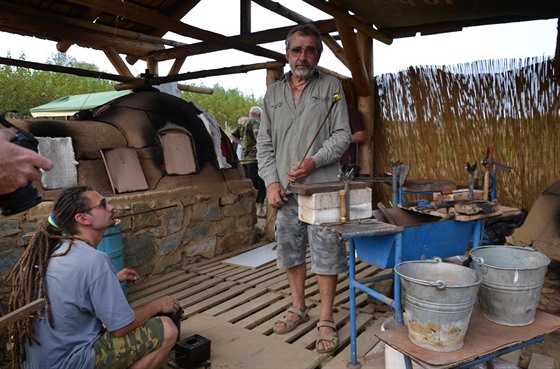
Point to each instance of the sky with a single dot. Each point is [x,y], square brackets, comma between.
[513,40]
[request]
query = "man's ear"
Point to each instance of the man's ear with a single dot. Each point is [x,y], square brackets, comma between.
[81,218]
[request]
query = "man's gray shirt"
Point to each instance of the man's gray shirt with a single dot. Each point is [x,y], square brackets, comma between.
[287,130]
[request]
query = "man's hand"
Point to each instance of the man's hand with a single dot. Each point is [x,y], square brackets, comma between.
[275,195]
[300,171]
[18,165]
[128,275]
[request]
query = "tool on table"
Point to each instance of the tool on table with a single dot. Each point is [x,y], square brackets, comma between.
[472,175]
[336,97]
[487,163]
[491,167]
[345,175]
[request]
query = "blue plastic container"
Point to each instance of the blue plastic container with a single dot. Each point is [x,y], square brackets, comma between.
[112,245]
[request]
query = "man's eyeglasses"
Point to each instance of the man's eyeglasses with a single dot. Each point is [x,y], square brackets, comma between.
[296,51]
[102,204]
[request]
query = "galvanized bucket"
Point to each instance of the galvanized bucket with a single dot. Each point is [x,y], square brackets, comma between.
[439,298]
[512,279]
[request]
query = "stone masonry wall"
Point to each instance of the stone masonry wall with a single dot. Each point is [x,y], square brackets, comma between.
[162,231]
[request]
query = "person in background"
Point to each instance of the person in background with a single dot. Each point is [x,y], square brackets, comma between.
[350,157]
[87,322]
[294,109]
[246,136]
[237,146]
[18,165]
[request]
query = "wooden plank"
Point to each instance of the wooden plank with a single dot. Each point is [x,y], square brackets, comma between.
[215,269]
[252,274]
[250,307]
[246,296]
[196,288]
[170,290]
[124,169]
[168,284]
[23,312]
[215,300]
[264,314]
[236,347]
[179,155]
[205,293]
[264,279]
[142,285]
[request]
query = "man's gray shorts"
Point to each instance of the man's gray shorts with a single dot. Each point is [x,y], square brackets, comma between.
[328,252]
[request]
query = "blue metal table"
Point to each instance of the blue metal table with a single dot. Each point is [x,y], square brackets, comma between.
[385,245]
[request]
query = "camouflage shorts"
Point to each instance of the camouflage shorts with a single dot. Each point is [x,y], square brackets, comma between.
[328,252]
[121,352]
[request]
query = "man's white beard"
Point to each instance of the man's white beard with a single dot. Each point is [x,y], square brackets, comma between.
[304,73]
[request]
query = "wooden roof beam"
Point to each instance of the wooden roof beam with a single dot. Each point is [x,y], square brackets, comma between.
[46,25]
[357,66]
[298,18]
[183,7]
[199,74]
[148,17]
[117,62]
[267,36]
[343,15]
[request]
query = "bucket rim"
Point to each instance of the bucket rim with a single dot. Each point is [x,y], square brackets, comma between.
[476,259]
[438,283]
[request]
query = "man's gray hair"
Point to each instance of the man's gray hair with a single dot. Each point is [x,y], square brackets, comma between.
[306,29]
[255,110]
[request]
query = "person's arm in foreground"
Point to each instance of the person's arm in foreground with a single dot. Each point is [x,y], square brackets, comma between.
[18,165]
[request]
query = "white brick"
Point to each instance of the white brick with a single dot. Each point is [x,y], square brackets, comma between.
[328,200]
[325,207]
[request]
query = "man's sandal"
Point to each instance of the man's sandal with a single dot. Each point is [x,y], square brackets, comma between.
[327,337]
[290,326]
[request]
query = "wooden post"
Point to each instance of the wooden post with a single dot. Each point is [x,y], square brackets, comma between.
[366,108]
[272,75]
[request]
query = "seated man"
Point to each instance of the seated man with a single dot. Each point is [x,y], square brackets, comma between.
[87,321]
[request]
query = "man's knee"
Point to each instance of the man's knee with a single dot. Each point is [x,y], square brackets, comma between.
[170,330]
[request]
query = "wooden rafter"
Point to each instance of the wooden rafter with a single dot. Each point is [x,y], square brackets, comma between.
[343,15]
[148,17]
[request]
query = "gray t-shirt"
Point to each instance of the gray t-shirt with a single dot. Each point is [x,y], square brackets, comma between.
[85,294]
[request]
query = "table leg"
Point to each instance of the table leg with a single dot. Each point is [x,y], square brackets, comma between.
[354,364]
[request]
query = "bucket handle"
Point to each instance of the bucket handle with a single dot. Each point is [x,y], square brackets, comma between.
[439,284]
[480,262]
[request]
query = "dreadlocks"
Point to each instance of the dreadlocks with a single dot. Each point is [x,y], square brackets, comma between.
[29,275]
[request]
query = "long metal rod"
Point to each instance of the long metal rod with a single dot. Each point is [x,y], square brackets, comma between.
[335,98]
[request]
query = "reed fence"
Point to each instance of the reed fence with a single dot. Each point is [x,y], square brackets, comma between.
[438,119]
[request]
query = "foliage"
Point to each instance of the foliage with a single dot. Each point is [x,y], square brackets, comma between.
[225,105]
[25,88]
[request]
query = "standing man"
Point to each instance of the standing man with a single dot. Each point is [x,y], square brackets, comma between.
[294,109]
[87,322]
[246,135]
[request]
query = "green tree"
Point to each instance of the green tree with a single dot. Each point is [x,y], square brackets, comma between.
[225,105]
[24,88]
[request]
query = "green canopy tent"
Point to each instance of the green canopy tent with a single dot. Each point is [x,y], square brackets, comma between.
[69,105]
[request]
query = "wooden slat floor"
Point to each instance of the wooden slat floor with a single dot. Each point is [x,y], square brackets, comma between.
[235,308]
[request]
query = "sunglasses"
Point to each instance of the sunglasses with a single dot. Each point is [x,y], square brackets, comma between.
[102,204]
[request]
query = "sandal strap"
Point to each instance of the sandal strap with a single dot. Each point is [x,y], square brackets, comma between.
[298,312]
[326,323]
